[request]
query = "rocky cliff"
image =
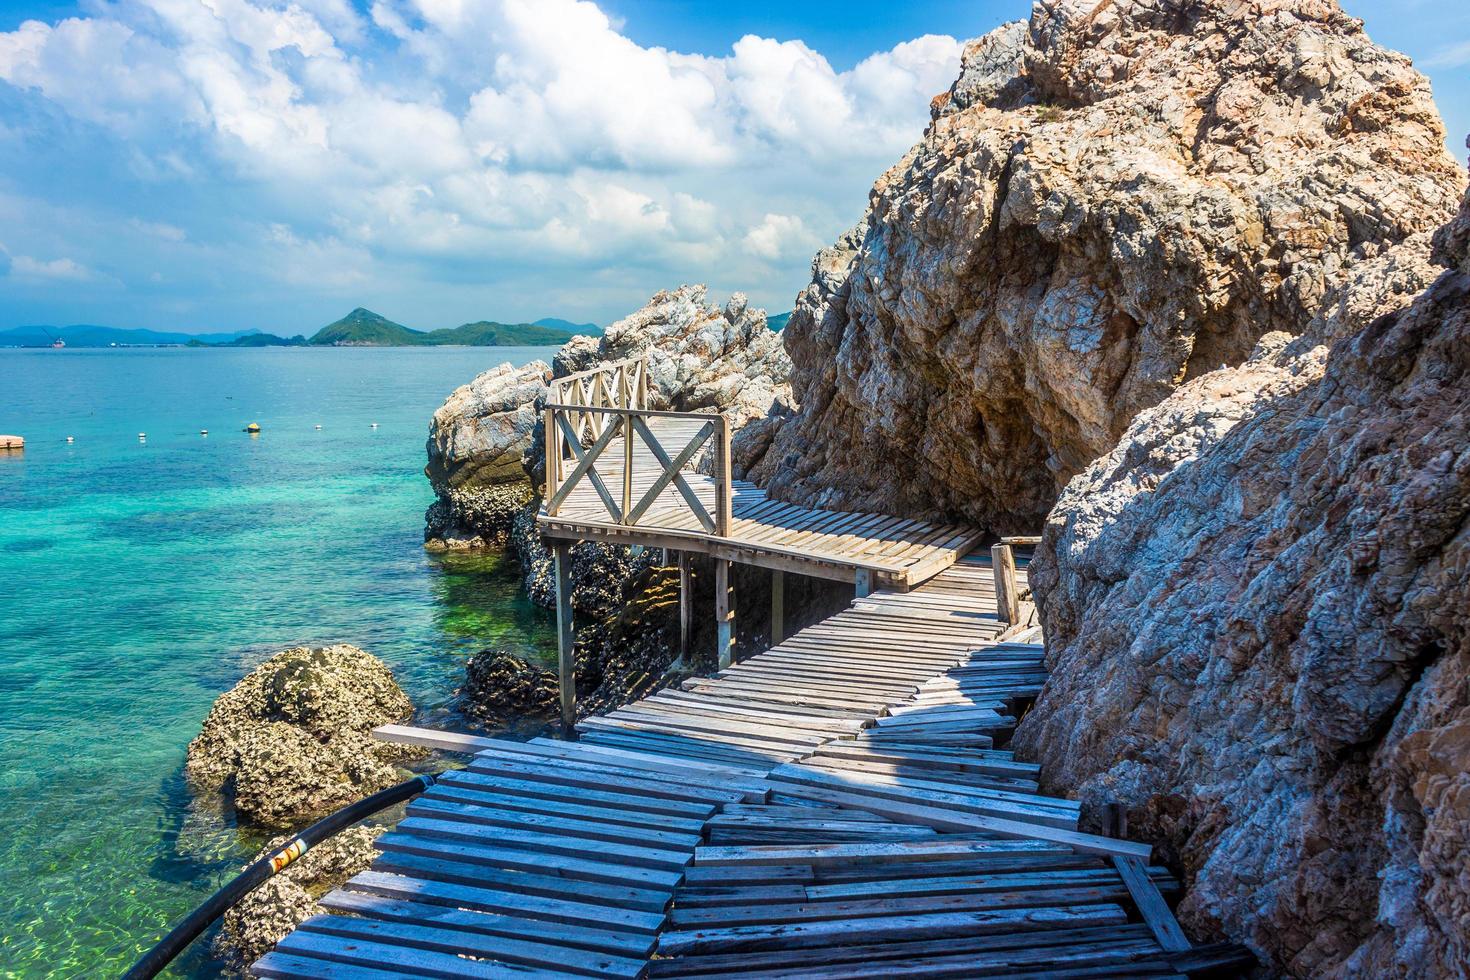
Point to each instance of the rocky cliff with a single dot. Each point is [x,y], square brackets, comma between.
[1114,198]
[1257,610]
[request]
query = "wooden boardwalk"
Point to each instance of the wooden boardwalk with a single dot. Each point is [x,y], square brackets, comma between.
[834,807]
[620,472]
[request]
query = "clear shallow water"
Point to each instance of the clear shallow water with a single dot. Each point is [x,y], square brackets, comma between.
[139,580]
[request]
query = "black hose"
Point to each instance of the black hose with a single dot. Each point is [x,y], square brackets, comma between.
[252,877]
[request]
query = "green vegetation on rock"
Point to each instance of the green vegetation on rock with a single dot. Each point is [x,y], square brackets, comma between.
[364,328]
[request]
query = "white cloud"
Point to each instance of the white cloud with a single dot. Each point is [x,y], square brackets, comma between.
[1450,56]
[429,138]
[54,270]
[780,236]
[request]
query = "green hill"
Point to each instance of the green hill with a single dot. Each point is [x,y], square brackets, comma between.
[778,321]
[489,334]
[364,328]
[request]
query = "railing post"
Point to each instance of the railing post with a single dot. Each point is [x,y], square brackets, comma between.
[723,491]
[553,458]
[1007,595]
[626,421]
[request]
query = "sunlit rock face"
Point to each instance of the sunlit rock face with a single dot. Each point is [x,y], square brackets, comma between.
[1257,609]
[1112,199]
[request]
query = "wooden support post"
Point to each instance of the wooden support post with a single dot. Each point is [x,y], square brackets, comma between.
[566,635]
[778,606]
[1007,595]
[724,614]
[863,585]
[686,598]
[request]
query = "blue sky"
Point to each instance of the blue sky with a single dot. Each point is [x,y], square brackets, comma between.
[257,163]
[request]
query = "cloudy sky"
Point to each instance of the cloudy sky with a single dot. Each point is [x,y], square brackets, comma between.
[224,164]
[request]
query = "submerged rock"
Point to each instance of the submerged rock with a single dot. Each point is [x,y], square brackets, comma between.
[266,915]
[1112,200]
[501,688]
[292,741]
[1257,610]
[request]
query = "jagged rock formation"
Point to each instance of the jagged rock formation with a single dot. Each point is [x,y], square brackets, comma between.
[266,915]
[293,740]
[1257,611]
[1113,199]
[478,443]
[700,356]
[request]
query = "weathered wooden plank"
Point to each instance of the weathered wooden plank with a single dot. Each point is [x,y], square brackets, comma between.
[535,860]
[872,953]
[514,926]
[493,900]
[838,932]
[941,818]
[534,953]
[1151,905]
[416,962]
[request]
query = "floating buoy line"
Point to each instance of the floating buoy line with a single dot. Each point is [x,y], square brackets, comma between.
[254,428]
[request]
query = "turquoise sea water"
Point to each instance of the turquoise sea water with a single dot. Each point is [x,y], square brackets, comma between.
[142,578]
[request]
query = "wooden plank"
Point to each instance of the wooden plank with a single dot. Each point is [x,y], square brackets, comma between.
[431,738]
[544,886]
[287,966]
[945,819]
[646,857]
[873,953]
[492,816]
[445,937]
[715,917]
[1151,905]
[417,962]
[505,903]
[525,788]
[503,854]
[815,855]
[841,932]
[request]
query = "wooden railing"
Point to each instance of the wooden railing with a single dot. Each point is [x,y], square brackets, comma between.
[593,411]
[614,384]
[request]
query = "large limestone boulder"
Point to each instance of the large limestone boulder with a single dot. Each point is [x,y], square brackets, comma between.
[479,443]
[1257,609]
[1112,200]
[292,741]
[269,913]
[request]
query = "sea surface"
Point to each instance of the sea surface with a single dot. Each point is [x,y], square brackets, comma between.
[139,578]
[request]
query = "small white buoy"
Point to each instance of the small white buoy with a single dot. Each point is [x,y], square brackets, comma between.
[71,439]
[142,436]
[204,432]
[316,426]
[375,425]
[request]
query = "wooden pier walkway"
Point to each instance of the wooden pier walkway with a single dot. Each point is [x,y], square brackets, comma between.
[838,806]
[618,471]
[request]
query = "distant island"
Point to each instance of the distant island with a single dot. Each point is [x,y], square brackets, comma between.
[360,328]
